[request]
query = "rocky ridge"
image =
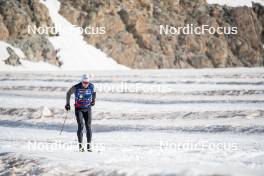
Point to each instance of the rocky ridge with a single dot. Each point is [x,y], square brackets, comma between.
[133,36]
[132,32]
[15,17]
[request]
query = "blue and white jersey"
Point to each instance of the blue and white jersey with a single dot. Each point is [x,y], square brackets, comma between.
[83,96]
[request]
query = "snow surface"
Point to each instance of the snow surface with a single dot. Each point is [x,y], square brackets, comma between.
[129,127]
[235,3]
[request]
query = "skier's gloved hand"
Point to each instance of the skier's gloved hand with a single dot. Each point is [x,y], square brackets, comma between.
[67,107]
[92,103]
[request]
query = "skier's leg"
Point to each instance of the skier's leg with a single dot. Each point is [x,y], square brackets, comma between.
[79,119]
[88,118]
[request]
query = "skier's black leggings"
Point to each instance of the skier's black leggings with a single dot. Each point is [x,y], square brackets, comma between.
[84,117]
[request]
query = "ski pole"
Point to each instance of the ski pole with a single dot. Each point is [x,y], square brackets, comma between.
[64,122]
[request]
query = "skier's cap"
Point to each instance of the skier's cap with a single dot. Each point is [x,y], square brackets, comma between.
[85,78]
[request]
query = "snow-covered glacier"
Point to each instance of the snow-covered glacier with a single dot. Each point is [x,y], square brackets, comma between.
[145,122]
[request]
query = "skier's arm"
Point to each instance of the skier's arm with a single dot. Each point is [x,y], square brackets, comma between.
[69,93]
[93,96]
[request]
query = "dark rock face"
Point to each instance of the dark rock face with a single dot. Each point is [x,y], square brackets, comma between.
[259,11]
[13,59]
[133,35]
[248,45]
[4,33]
[15,16]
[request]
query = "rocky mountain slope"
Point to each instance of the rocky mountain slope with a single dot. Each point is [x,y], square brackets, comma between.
[15,17]
[133,35]
[132,32]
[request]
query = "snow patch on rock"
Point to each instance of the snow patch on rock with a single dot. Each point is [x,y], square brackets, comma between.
[74,52]
[25,64]
[3,51]
[235,3]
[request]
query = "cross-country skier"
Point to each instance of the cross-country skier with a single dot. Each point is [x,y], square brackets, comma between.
[84,100]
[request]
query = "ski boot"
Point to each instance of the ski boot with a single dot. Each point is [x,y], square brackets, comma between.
[81,149]
[89,147]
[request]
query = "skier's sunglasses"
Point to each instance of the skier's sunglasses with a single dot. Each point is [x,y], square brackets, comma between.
[85,82]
